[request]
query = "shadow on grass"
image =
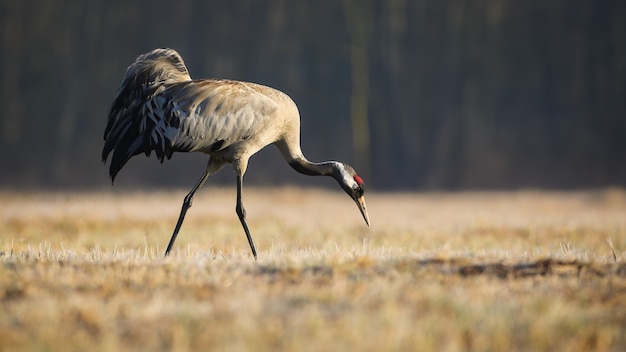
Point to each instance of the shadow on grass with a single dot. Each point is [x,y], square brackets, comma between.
[459,267]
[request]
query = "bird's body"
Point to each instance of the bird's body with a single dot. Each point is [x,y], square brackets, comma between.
[160,109]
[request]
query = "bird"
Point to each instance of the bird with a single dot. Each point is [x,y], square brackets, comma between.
[159,108]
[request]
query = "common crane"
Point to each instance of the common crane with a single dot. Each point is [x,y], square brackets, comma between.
[160,108]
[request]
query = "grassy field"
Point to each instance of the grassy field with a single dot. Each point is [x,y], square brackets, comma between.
[529,271]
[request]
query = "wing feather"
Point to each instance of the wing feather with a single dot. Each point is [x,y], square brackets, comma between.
[159,108]
[200,113]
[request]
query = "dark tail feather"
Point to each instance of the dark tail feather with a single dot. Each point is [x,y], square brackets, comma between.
[124,141]
[123,134]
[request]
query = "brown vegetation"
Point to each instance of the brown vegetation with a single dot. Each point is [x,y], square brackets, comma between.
[465,271]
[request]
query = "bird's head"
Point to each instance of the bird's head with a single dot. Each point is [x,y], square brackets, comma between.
[355,187]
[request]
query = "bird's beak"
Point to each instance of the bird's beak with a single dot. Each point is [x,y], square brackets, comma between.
[360,202]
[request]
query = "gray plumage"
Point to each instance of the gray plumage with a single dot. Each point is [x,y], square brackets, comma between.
[160,108]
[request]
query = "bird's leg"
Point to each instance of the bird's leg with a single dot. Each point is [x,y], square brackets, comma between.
[186,205]
[241,212]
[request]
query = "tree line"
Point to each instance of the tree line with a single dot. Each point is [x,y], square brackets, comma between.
[424,94]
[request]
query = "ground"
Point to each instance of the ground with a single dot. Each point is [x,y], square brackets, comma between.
[524,270]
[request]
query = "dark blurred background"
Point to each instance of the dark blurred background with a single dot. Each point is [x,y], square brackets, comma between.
[430,94]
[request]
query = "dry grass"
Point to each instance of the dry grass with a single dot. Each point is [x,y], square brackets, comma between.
[467,271]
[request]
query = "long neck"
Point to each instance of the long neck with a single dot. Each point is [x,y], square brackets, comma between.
[294,157]
[306,167]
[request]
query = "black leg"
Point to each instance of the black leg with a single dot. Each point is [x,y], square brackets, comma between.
[186,205]
[241,212]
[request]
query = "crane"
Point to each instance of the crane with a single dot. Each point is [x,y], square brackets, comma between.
[159,108]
